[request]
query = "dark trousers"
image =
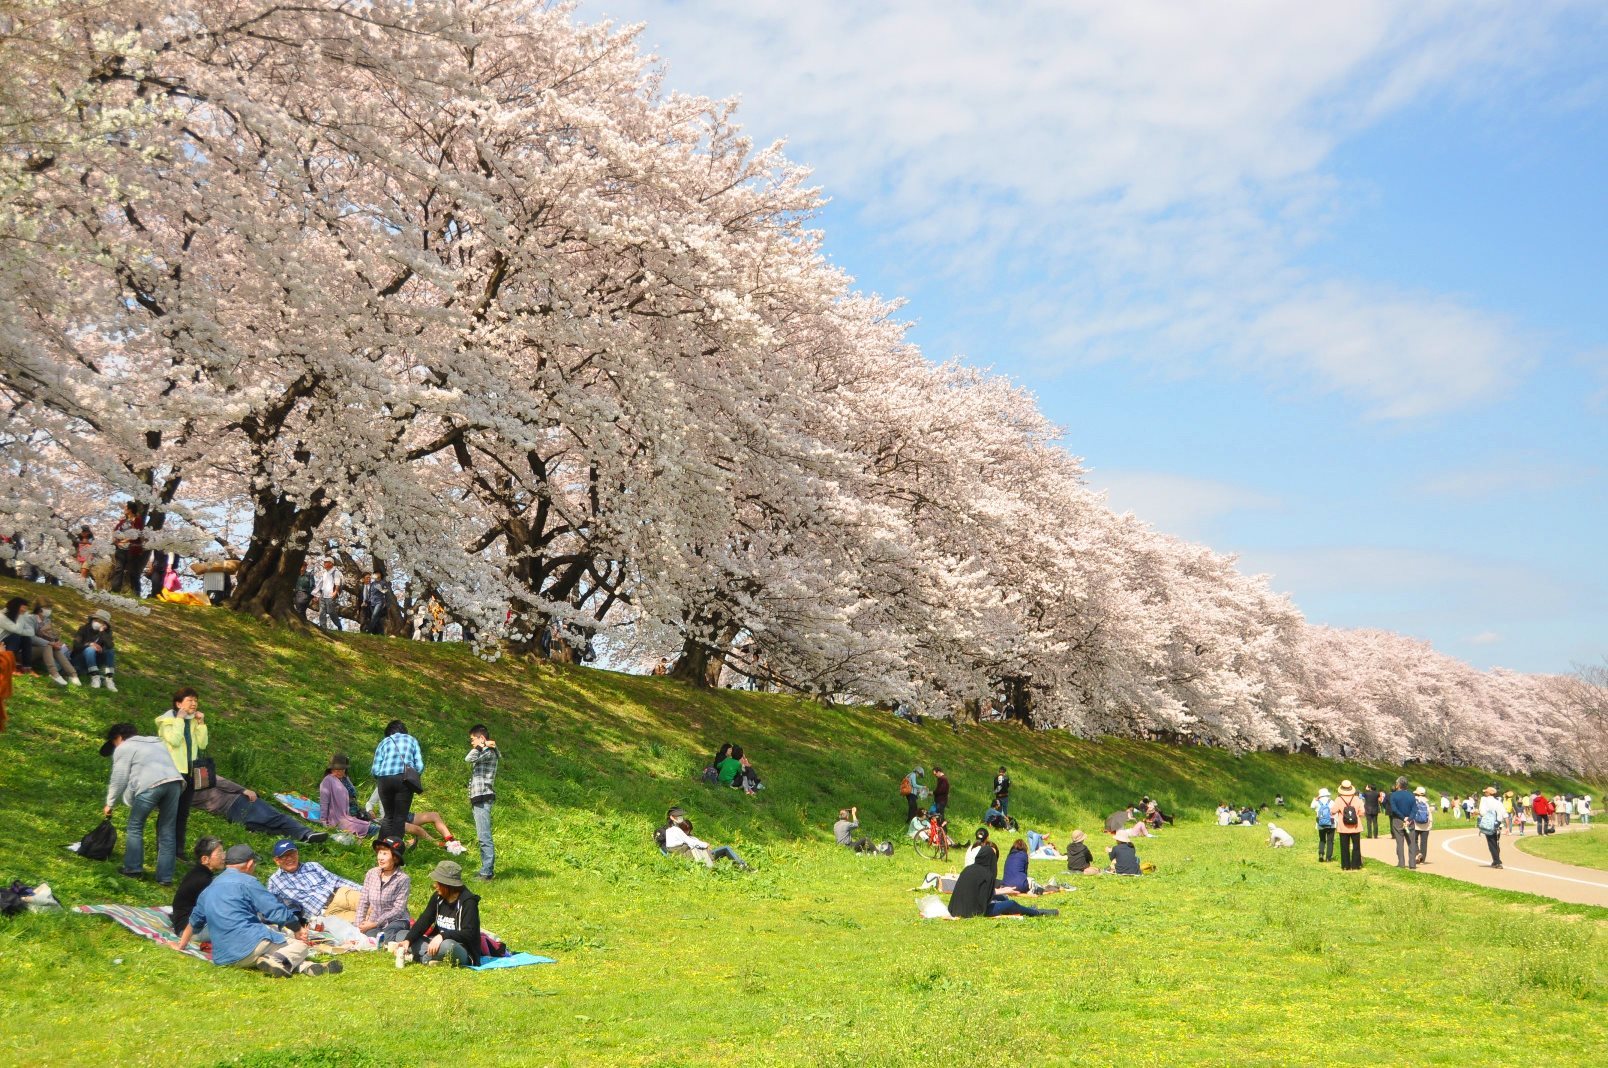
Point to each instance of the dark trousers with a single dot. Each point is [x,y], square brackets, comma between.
[910,807]
[1405,857]
[396,797]
[1350,852]
[1543,824]
[1421,843]
[1325,843]
[126,567]
[1493,842]
[260,817]
[1009,906]
[1373,824]
[182,826]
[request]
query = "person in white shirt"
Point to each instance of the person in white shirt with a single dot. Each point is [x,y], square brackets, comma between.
[1490,805]
[327,585]
[678,841]
[1584,807]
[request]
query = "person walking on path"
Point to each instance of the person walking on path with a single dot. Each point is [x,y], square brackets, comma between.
[1491,825]
[1323,806]
[1370,808]
[183,729]
[910,787]
[1349,820]
[1585,810]
[1400,804]
[1423,817]
[395,758]
[482,761]
[1541,808]
[144,777]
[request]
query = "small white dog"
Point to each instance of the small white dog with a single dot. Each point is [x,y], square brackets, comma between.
[1278,837]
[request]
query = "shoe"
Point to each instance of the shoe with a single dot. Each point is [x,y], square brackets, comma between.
[58,680]
[1050,912]
[316,837]
[485,876]
[76,681]
[274,966]
[94,682]
[130,874]
[453,846]
[1497,866]
[111,684]
[315,967]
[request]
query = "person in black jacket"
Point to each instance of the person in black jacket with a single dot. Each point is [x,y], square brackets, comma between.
[94,652]
[975,891]
[450,922]
[1079,861]
[1124,858]
[209,856]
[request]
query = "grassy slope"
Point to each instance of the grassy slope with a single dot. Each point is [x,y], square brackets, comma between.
[817,956]
[1587,849]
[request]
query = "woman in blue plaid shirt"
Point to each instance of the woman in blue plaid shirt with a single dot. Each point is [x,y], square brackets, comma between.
[397,752]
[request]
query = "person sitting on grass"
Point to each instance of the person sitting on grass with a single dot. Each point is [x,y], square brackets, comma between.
[747,777]
[47,639]
[979,840]
[382,904]
[977,892]
[995,817]
[1124,859]
[231,801]
[309,886]
[678,841]
[236,911]
[1016,868]
[1079,861]
[449,927]
[848,822]
[209,861]
[95,651]
[336,801]
[730,766]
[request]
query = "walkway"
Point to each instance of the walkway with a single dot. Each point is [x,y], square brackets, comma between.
[1460,853]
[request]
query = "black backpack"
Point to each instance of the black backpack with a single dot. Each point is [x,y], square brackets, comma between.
[1348,814]
[99,843]
[658,838]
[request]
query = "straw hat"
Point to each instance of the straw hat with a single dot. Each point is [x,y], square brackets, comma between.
[1419,792]
[1346,787]
[1123,836]
[1490,791]
[1077,836]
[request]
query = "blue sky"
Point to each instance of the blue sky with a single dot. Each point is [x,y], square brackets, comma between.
[1320,285]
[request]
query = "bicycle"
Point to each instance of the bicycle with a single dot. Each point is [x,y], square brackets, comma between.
[934,842]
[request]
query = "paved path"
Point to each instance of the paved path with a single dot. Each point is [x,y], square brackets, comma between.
[1459,852]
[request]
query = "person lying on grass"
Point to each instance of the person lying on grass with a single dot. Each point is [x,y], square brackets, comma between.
[1079,861]
[978,893]
[233,802]
[678,841]
[236,911]
[449,927]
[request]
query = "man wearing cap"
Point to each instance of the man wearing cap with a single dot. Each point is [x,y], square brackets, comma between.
[231,801]
[236,910]
[327,585]
[144,777]
[310,886]
[1400,804]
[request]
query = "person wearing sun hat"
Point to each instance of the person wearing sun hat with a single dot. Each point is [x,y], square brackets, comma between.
[1423,819]
[1323,807]
[1349,816]
[1124,859]
[449,927]
[1491,827]
[1079,861]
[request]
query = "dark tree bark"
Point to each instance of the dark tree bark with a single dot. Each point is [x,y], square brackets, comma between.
[266,582]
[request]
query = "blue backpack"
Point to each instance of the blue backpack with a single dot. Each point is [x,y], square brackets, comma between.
[1421,811]
[1325,813]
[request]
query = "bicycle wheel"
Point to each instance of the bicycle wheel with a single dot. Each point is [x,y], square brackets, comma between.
[926,849]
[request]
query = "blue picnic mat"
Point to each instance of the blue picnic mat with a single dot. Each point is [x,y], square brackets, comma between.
[517,960]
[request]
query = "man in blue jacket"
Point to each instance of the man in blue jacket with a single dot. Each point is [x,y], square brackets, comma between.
[1400,805]
[237,909]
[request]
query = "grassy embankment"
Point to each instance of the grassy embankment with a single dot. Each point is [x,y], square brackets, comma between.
[1588,849]
[1231,954]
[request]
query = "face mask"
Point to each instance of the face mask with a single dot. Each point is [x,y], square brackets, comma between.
[45,613]
[98,626]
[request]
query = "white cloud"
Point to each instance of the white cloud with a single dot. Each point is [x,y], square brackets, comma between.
[1178,504]
[1141,176]
[1485,637]
[1506,477]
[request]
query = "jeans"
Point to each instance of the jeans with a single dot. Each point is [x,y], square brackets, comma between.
[452,952]
[1543,824]
[1005,906]
[164,799]
[89,662]
[126,567]
[396,797]
[1493,842]
[1350,852]
[21,647]
[1373,824]
[1405,857]
[1004,804]
[1325,843]
[488,853]
[729,853]
[1421,842]
[262,818]
[327,618]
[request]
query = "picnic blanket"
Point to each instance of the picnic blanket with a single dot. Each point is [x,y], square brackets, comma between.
[515,960]
[154,924]
[1046,852]
[301,805]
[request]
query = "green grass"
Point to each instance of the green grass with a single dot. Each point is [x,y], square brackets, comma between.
[1231,954]
[1586,848]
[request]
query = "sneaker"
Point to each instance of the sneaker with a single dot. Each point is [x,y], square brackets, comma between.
[486,875]
[453,846]
[94,682]
[75,680]
[58,680]
[125,873]
[1050,912]
[316,837]
[274,966]
[316,967]
[111,684]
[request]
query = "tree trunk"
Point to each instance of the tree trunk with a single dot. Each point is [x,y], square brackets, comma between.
[266,582]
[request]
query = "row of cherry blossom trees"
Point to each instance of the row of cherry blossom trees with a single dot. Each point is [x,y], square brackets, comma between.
[463,284]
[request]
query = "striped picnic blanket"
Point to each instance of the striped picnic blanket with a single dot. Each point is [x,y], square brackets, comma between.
[154,924]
